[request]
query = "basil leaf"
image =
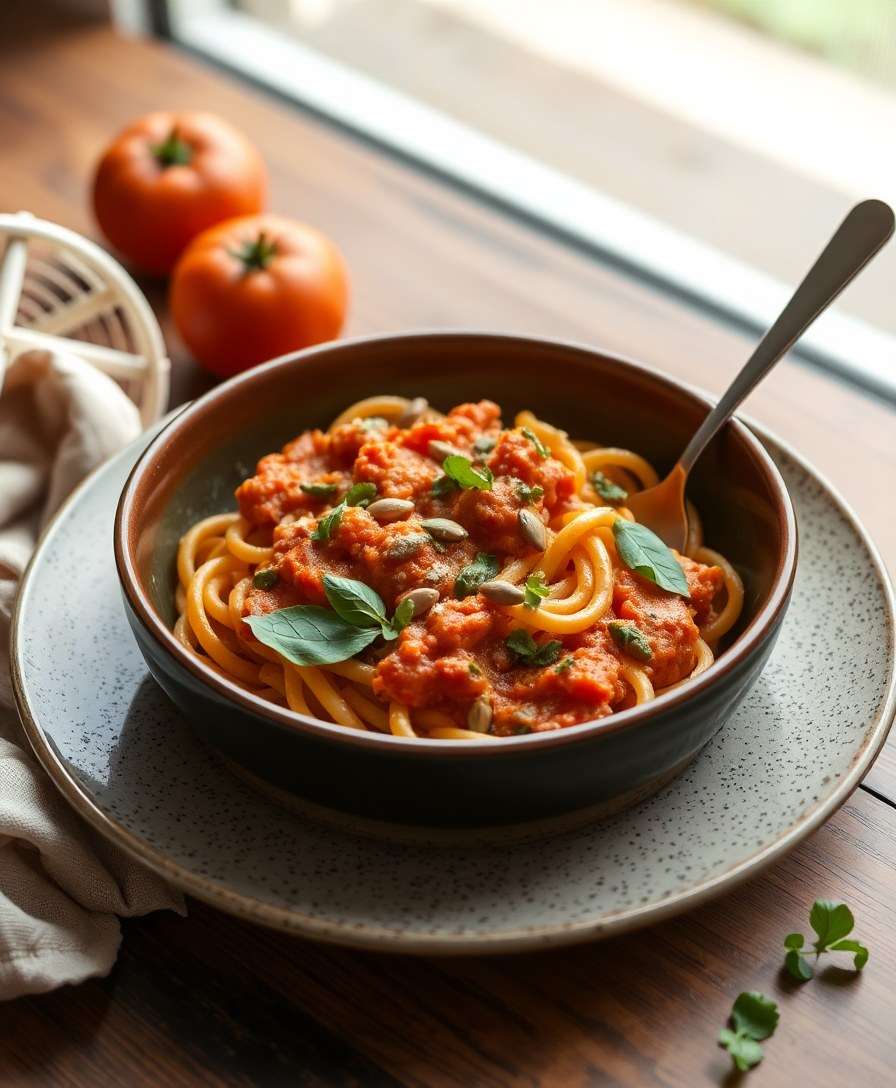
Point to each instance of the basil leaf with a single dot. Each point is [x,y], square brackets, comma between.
[320,491]
[605,487]
[754,1015]
[543,451]
[307,634]
[483,568]
[443,487]
[360,494]
[328,524]
[643,552]
[459,469]
[831,921]
[523,645]
[861,952]
[630,640]
[265,579]
[536,589]
[484,444]
[525,493]
[354,601]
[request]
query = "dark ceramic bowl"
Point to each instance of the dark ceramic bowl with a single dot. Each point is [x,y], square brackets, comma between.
[191,468]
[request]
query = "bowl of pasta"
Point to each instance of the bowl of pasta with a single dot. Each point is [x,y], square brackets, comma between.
[397,577]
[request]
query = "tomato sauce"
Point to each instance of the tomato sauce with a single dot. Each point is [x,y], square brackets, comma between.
[457,650]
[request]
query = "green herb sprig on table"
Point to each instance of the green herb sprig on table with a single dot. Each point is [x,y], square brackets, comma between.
[754,1017]
[832,923]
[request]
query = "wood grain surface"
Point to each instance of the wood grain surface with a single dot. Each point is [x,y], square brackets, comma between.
[210,1000]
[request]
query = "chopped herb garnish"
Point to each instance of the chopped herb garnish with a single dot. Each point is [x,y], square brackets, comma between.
[461,470]
[474,669]
[483,568]
[536,589]
[484,444]
[443,487]
[831,922]
[360,494]
[527,650]
[265,579]
[630,640]
[543,451]
[605,487]
[643,552]
[525,493]
[320,491]
[328,524]
[564,666]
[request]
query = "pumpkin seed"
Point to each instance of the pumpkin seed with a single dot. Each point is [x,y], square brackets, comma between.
[439,450]
[423,599]
[532,529]
[412,412]
[444,529]
[479,719]
[500,592]
[388,510]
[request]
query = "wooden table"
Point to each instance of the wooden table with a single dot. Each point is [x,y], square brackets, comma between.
[209,1000]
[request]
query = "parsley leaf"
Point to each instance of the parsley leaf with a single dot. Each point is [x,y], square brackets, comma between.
[328,524]
[527,650]
[319,491]
[630,640]
[605,487]
[442,487]
[831,922]
[360,494]
[643,552]
[265,579]
[460,469]
[483,568]
[754,1017]
[543,451]
[536,589]
[525,493]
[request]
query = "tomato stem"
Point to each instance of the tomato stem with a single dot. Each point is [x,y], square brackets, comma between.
[257,254]
[173,151]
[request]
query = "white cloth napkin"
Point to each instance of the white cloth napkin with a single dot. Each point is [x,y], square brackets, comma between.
[61,883]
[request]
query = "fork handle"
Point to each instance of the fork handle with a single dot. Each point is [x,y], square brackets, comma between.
[861,234]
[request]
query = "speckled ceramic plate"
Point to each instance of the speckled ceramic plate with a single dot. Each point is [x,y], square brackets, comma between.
[127,761]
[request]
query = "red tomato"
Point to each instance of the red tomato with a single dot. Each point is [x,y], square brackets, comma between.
[169,176]
[257,287]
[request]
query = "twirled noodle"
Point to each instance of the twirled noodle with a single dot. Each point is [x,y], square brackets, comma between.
[218,557]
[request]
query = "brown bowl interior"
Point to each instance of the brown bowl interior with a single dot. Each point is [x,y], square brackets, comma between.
[190,471]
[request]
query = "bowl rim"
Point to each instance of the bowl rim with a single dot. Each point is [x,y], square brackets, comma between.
[755,633]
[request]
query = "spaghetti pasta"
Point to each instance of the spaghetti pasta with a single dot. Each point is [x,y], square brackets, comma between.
[525,628]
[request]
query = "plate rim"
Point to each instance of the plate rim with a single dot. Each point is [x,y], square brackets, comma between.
[382,938]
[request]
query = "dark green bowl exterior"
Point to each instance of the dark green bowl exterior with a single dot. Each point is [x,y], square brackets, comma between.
[190,471]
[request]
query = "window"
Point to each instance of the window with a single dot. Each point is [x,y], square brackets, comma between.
[710,146]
